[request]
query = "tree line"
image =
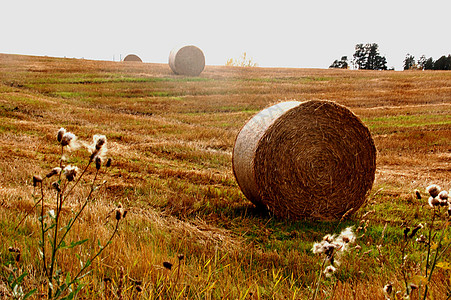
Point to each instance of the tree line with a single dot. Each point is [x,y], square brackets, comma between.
[367,57]
[423,63]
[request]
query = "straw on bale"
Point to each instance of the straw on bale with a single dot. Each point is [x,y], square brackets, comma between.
[313,159]
[132,57]
[187,60]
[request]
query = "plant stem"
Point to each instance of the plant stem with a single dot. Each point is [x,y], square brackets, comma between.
[76,277]
[80,211]
[28,213]
[79,177]
[55,236]
[434,262]
[403,261]
[429,243]
[43,231]
[55,239]
[319,279]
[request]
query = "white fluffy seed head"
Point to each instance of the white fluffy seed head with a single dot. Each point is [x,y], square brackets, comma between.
[329,270]
[433,190]
[347,235]
[70,140]
[98,148]
[433,202]
[443,195]
[59,135]
[70,172]
[388,289]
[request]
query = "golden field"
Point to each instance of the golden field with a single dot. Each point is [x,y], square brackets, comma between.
[171,139]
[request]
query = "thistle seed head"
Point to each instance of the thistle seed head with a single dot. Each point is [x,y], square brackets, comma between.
[54,171]
[329,238]
[99,141]
[120,212]
[70,141]
[98,162]
[331,243]
[443,195]
[388,288]
[433,202]
[167,265]
[70,172]
[108,162]
[329,271]
[59,135]
[56,186]
[406,231]
[433,190]
[418,194]
[421,239]
[67,138]
[98,146]
[347,236]
[14,249]
[415,230]
[36,179]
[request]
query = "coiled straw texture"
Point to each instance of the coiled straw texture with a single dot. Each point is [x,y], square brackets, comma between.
[187,60]
[133,57]
[305,160]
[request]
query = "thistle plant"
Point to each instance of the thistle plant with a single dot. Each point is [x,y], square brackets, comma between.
[16,277]
[331,248]
[436,248]
[433,244]
[61,182]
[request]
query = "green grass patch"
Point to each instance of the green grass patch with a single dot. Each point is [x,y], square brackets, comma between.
[288,79]
[407,121]
[68,95]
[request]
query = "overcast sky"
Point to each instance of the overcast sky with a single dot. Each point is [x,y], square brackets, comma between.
[277,33]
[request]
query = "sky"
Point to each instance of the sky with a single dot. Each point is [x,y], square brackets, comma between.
[277,33]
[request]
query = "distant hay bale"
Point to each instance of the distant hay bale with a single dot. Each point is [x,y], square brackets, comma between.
[313,159]
[187,60]
[132,57]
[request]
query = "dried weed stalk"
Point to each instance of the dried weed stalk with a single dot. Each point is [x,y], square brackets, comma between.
[62,181]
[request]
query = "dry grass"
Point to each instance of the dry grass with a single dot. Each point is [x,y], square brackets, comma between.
[171,139]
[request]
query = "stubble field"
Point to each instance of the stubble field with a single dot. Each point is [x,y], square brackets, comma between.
[171,139]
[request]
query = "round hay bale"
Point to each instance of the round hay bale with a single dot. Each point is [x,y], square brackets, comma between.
[313,159]
[132,57]
[187,60]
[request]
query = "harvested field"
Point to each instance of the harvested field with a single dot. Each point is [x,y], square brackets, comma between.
[171,140]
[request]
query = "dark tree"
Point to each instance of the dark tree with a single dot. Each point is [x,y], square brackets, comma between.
[443,63]
[340,64]
[367,57]
[429,64]
[421,62]
[409,62]
[425,63]
[359,57]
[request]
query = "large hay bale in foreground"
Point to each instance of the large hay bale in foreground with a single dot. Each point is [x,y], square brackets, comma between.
[187,60]
[314,159]
[132,57]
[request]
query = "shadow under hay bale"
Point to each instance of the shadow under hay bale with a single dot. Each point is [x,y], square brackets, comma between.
[187,60]
[313,159]
[132,57]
